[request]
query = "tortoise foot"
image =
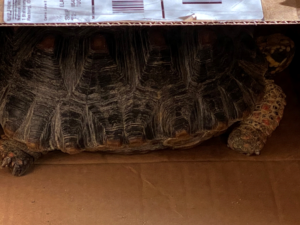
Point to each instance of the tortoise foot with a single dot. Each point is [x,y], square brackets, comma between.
[17,161]
[16,157]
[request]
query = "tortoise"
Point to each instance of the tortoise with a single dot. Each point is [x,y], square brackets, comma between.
[123,90]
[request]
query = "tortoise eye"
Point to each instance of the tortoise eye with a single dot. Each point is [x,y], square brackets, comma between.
[98,44]
[47,43]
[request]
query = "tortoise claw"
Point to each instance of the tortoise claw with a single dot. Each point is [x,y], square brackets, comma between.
[6,161]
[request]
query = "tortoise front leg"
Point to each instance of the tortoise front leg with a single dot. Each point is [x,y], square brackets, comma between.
[16,156]
[250,137]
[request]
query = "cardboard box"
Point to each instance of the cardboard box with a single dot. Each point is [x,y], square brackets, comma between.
[209,184]
[275,12]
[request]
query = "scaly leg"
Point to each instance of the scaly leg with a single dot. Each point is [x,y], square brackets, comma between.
[250,137]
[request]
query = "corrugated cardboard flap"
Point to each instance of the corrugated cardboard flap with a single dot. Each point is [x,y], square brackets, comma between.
[275,12]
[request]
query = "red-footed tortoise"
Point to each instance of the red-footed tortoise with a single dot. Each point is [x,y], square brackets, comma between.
[123,90]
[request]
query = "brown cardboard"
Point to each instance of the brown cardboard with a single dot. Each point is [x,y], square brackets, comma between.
[225,193]
[1,11]
[280,10]
[275,11]
[207,185]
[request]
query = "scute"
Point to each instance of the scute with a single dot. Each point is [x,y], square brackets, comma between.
[124,90]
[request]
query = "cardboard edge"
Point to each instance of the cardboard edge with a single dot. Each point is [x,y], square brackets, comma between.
[274,12]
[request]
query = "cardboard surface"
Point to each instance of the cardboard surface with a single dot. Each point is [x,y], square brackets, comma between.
[274,10]
[206,185]
[280,10]
[225,193]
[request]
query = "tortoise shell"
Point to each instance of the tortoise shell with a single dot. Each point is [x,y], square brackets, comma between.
[125,89]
